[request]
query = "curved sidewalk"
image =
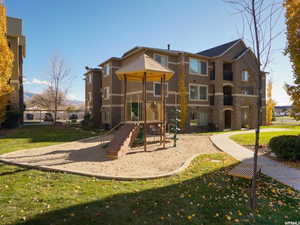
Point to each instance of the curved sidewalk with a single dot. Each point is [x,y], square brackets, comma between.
[280,172]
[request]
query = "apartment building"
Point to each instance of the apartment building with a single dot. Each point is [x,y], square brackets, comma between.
[93,95]
[17,44]
[220,84]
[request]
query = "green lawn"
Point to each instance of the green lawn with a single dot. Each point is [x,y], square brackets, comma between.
[203,194]
[39,136]
[265,137]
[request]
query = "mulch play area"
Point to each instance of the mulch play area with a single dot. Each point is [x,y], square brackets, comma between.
[87,157]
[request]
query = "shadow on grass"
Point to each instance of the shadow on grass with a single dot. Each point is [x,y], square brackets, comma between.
[47,133]
[13,172]
[62,157]
[184,201]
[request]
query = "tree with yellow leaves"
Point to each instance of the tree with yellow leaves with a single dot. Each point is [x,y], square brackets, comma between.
[6,64]
[183,97]
[293,50]
[270,103]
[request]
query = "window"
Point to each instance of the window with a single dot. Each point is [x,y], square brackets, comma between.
[90,78]
[193,92]
[198,92]
[245,75]
[157,89]
[90,96]
[203,118]
[162,59]
[198,118]
[244,115]
[247,90]
[106,69]
[197,66]
[106,93]
[105,116]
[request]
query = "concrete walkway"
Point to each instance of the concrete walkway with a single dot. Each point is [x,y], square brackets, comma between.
[274,169]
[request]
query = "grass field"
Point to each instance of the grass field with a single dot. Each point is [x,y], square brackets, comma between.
[203,194]
[39,136]
[265,137]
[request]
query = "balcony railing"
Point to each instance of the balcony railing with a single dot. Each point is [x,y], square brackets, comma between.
[228,100]
[228,75]
[212,75]
[212,100]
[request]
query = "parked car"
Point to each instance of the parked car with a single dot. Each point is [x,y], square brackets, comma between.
[73,117]
[29,116]
[48,117]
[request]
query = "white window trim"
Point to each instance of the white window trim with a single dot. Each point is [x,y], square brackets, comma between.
[160,90]
[108,94]
[104,72]
[200,60]
[156,54]
[243,76]
[199,85]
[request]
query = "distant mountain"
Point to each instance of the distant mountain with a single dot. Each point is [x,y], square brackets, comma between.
[74,102]
[28,96]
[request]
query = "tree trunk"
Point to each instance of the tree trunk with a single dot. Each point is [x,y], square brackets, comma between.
[55,106]
[55,115]
[253,198]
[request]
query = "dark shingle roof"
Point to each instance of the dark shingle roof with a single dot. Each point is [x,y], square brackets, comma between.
[218,50]
[156,49]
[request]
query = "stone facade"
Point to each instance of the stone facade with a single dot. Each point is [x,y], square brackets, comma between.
[17,44]
[221,82]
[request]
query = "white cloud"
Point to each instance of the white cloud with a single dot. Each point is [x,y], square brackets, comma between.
[40,82]
[25,81]
[280,95]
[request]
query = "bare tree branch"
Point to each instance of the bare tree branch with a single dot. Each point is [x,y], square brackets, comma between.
[261,18]
[59,76]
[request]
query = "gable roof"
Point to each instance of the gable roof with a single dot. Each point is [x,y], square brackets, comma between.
[219,50]
[155,49]
[241,54]
[160,50]
[110,59]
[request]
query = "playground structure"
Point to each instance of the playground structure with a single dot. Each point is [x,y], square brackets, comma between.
[143,69]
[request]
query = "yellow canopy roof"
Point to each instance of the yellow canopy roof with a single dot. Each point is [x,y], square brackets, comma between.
[134,71]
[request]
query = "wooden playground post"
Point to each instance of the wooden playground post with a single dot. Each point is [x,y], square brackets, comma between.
[164,111]
[145,111]
[161,109]
[125,97]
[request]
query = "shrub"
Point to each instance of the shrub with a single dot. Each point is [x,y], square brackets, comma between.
[286,146]
[212,127]
[87,116]
[12,119]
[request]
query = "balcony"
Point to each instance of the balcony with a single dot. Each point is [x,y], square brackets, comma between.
[212,75]
[228,100]
[228,75]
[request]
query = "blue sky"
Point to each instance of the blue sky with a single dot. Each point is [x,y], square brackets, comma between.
[86,32]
